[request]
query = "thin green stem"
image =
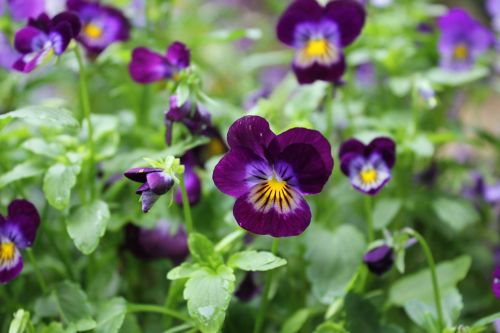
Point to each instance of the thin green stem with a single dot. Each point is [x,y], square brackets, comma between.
[173,293]
[135,308]
[142,113]
[85,103]
[39,276]
[432,267]
[369,218]
[186,207]
[330,94]
[265,295]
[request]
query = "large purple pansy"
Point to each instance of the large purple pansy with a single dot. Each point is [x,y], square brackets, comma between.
[17,232]
[42,38]
[368,166]
[319,34]
[270,174]
[462,40]
[101,25]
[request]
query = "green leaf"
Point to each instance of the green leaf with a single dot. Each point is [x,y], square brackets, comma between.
[41,147]
[202,250]
[385,211]
[255,261]
[295,322]
[183,271]
[361,315]
[21,171]
[421,146]
[182,93]
[441,76]
[208,294]
[333,259]
[330,328]
[487,320]
[58,182]
[418,286]
[456,213]
[111,316]
[47,116]
[87,224]
[73,306]
[20,321]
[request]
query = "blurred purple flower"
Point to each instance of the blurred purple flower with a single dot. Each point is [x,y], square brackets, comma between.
[7,53]
[319,34]
[270,174]
[381,3]
[193,186]
[158,242]
[479,190]
[42,38]
[462,40]
[365,75]
[101,25]
[147,66]
[21,10]
[493,8]
[137,11]
[368,166]
[155,183]
[496,282]
[380,259]
[270,78]
[17,232]
[248,288]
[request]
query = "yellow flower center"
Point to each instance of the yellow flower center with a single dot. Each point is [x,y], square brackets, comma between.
[273,192]
[7,251]
[461,52]
[368,176]
[92,31]
[316,47]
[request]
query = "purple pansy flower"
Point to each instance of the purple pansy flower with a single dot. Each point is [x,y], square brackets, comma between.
[480,190]
[496,282]
[17,232]
[155,183]
[270,174]
[21,10]
[380,259]
[7,53]
[319,34]
[147,66]
[101,25]
[248,288]
[162,241]
[43,37]
[462,40]
[368,166]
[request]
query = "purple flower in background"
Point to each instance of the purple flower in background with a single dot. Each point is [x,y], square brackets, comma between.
[215,147]
[496,282]
[462,40]
[380,259]
[270,78]
[319,34]
[7,53]
[365,75]
[480,190]
[155,183]
[42,38]
[147,66]
[101,25]
[162,241]
[248,288]
[17,232]
[193,186]
[21,10]
[270,174]
[493,8]
[193,115]
[368,166]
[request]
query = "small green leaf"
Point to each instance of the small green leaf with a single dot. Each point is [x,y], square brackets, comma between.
[111,316]
[295,322]
[73,306]
[330,328]
[255,261]
[47,116]
[58,183]
[456,213]
[87,224]
[441,76]
[385,211]
[182,93]
[361,315]
[202,250]
[487,320]
[183,271]
[43,148]
[21,171]
[20,321]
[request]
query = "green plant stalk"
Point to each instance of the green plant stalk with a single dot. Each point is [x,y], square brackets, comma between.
[186,207]
[330,94]
[85,103]
[174,291]
[265,295]
[369,218]
[39,276]
[134,308]
[432,268]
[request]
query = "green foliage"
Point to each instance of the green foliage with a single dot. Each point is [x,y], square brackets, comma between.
[73,306]
[111,316]
[255,261]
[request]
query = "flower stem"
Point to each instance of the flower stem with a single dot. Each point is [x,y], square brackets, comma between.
[330,94]
[432,268]
[39,276]
[369,218]
[265,295]
[134,308]
[186,207]
[85,103]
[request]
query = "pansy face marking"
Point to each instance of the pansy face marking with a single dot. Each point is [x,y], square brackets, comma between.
[92,30]
[274,193]
[461,52]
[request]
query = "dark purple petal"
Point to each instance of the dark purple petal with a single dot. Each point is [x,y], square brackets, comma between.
[231,173]
[60,37]
[317,72]
[177,112]
[144,187]
[159,182]
[29,39]
[179,55]
[24,215]
[496,283]
[349,16]
[250,132]
[298,12]
[23,9]
[29,62]
[148,199]
[352,146]
[147,66]
[386,147]
[139,174]
[193,187]
[248,288]
[9,270]
[272,222]
[380,259]
[70,18]
[42,22]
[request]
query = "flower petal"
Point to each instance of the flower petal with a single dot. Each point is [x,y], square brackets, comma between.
[70,18]
[179,55]
[348,150]
[386,147]
[24,215]
[159,182]
[299,11]
[496,283]
[147,66]
[252,132]
[24,9]
[29,39]
[9,270]
[139,174]
[148,199]
[162,242]
[349,16]
[60,37]
[317,72]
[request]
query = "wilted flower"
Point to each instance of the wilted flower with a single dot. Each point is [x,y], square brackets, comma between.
[101,25]
[380,259]
[17,232]
[43,37]
[248,288]
[162,241]
[270,174]
[496,282]
[148,66]
[21,10]
[368,166]
[462,40]
[193,115]
[155,182]
[319,34]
